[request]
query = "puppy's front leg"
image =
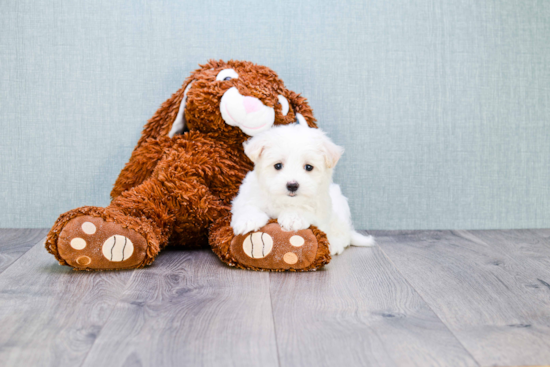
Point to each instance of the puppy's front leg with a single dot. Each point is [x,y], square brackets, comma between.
[246,219]
[292,221]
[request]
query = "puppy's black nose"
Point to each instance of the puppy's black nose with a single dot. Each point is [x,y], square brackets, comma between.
[292,186]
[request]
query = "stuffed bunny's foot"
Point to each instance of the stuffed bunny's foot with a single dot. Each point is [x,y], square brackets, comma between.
[271,248]
[91,243]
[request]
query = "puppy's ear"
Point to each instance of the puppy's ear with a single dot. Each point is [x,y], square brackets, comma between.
[254,147]
[332,152]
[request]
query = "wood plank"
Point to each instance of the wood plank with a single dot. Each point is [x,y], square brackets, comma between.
[358,311]
[488,287]
[190,310]
[530,246]
[51,315]
[15,242]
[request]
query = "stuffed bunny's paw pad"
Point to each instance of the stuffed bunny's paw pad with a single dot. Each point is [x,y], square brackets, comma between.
[87,243]
[272,248]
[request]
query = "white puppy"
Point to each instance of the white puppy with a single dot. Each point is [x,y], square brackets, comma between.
[292,181]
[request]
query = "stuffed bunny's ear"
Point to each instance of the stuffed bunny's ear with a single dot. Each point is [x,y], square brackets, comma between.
[302,110]
[179,124]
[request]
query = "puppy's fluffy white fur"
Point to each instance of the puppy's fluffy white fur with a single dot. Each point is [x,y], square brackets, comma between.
[286,156]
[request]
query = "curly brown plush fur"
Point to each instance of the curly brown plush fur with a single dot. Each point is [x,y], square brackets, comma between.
[179,190]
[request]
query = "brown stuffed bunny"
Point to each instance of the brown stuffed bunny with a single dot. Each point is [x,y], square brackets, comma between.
[185,170]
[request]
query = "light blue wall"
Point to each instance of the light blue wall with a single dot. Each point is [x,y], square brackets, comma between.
[443,106]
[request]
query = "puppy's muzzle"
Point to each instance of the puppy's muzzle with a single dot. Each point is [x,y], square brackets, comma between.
[292,187]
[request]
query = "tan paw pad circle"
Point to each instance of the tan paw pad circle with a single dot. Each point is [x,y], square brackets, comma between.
[78,243]
[117,248]
[297,241]
[83,260]
[258,245]
[88,228]
[290,258]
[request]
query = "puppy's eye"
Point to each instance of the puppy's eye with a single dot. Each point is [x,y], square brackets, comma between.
[308,167]
[227,74]
[278,166]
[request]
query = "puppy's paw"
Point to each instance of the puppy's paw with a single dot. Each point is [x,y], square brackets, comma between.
[336,249]
[292,222]
[337,245]
[248,222]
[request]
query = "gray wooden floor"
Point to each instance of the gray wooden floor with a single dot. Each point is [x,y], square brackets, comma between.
[419,298]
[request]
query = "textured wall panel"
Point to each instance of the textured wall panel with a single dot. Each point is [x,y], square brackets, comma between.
[443,107]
